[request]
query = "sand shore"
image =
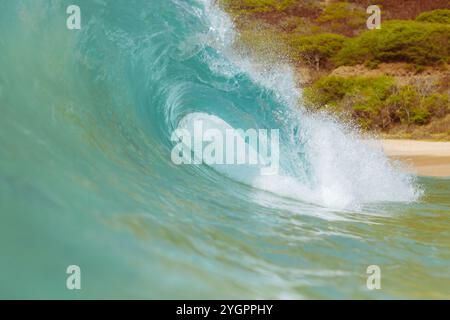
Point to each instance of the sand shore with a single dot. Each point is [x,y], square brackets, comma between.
[422,157]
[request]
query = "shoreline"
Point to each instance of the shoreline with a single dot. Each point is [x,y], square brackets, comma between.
[425,158]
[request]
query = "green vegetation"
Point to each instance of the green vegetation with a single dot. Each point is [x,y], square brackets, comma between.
[405,106]
[437,104]
[343,16]
[376,102]
[390,80]
[435,16]
[316,50]
[399,41]
[331,90]
[257,6]
[362,98]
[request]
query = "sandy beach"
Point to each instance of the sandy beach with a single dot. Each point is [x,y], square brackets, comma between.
[422,157]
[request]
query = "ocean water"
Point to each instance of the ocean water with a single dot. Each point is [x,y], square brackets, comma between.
[86,176]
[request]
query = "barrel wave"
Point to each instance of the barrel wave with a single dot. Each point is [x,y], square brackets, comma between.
[87,178]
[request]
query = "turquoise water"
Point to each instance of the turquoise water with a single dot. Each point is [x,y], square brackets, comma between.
[86,177]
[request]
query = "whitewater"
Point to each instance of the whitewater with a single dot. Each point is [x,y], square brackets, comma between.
[86,175]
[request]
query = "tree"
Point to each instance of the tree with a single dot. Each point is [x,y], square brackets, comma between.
[316,50]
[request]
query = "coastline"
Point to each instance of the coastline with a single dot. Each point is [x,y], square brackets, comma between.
[425,158]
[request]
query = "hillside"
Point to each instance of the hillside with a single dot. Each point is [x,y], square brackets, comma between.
[393,81]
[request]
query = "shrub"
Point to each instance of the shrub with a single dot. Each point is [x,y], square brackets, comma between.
[361,97]
[437,104]
[256,6]
[407,107]
[327,91]
[342,16]
[436,16]
[331,90]
[316,50]
[398,41]
[376,102]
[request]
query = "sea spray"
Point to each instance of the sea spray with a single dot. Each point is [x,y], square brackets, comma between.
[336,167]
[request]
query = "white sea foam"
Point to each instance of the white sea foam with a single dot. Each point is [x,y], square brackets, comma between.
[344,171]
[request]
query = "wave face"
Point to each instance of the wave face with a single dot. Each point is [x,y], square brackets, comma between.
[87,178]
